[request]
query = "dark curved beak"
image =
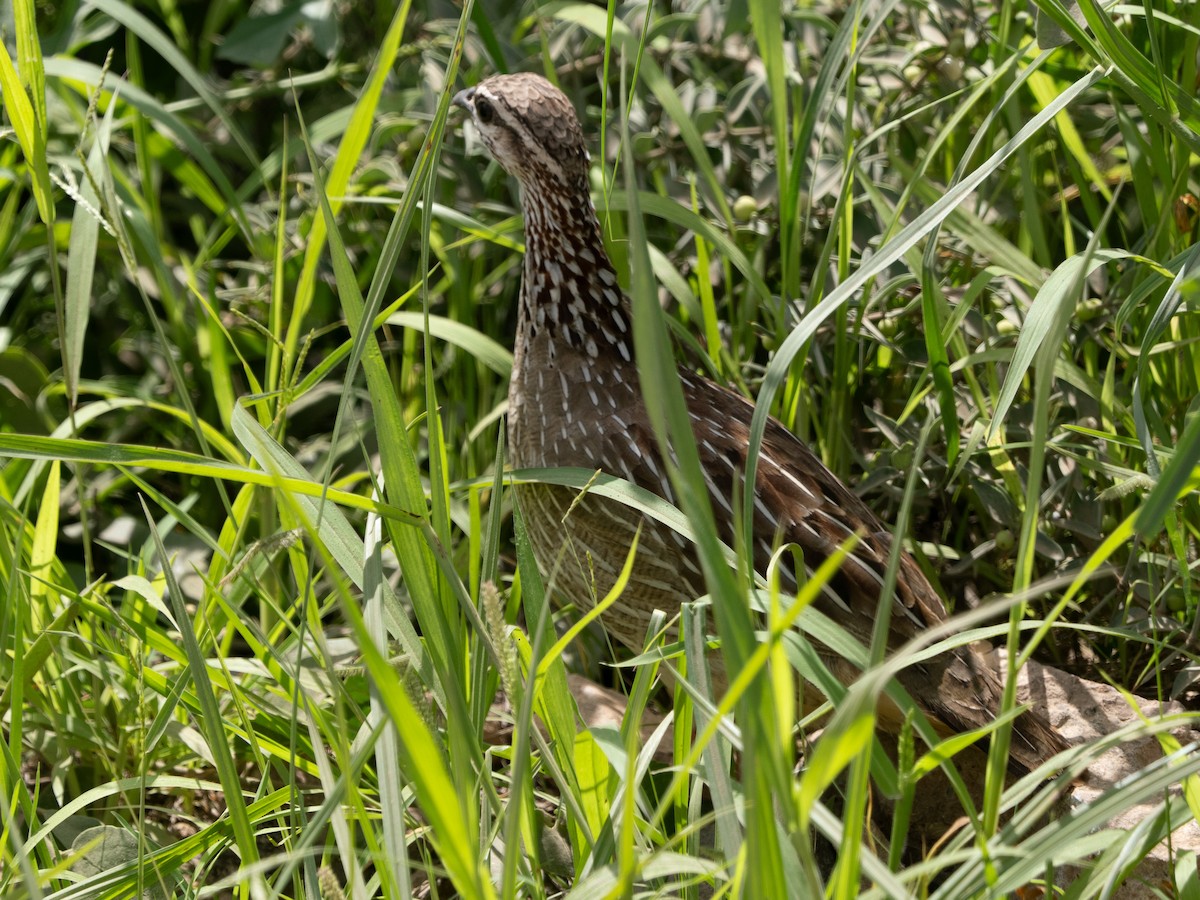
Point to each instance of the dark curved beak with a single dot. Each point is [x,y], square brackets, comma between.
[463,98]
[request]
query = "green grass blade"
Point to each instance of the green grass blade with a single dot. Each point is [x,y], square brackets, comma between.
[346,161]
[211,716]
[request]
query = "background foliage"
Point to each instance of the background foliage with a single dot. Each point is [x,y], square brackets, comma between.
[960,266]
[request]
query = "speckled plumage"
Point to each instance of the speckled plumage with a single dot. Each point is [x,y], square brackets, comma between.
[574,401]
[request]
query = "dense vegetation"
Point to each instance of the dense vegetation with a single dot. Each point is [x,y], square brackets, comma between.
[261,571]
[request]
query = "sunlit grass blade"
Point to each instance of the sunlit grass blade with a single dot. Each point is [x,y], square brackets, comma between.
[1047,318]
[353,141]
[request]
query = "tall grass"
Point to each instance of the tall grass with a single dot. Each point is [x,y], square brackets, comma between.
[263,582]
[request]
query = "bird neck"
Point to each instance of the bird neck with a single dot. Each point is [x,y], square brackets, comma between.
[570,290]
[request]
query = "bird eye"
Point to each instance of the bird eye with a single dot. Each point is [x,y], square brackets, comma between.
[484,111]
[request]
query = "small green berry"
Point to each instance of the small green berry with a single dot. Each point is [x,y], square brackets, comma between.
[744,208]
[1176,601]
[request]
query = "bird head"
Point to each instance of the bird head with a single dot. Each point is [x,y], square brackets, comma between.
[530,129]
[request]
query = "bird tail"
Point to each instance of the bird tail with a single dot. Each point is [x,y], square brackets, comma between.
[972,703]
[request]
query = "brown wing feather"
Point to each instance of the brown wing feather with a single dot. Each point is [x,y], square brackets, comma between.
[803,502]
